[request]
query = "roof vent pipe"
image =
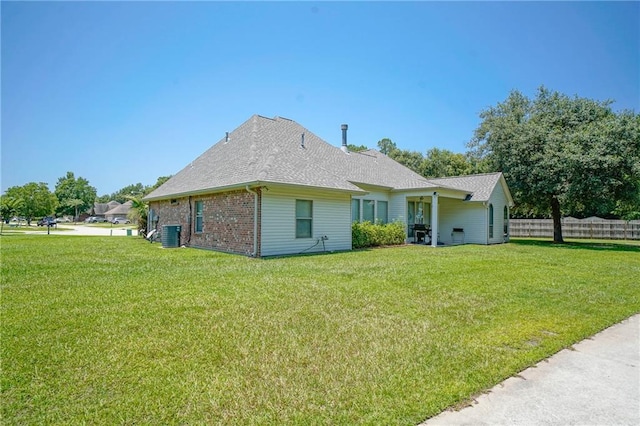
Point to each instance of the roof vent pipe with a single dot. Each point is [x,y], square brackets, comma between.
[302,140]
[344,128]
[226,137]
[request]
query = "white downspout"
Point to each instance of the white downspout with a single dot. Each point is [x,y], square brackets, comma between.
[434,220]
[255,220]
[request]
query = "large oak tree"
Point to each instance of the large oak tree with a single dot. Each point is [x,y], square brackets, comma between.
[561,153]
[75,194]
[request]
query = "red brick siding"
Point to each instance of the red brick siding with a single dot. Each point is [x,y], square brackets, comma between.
[227,223]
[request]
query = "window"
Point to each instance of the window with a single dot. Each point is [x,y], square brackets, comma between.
[505,229]
[490,220]
[304,218]
[368,211]
[199,216]
[355,210]
[383,211]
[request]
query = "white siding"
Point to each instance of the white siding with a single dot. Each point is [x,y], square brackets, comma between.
[472,217]
[499,200]
[398,208]
[331,217]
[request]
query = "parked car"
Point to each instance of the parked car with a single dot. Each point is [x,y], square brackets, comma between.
[47,221]
[63,220]
[95,219]
[119,220]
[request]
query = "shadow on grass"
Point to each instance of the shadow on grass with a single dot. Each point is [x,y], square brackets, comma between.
[631,246]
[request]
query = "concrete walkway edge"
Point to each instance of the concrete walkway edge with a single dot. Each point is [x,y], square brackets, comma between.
[597,382]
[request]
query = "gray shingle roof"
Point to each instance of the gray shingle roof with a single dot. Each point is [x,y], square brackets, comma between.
[268,150]
[121,209]
[479,186]
[102,208]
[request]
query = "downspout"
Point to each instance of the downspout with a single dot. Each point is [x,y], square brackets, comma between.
[255,220]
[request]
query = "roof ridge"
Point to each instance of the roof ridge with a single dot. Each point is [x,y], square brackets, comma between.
[262,116]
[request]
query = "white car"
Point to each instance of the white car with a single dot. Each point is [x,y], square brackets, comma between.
[118,221]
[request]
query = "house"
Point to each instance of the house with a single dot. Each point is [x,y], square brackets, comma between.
[99,210]
[119,212]
[272,187]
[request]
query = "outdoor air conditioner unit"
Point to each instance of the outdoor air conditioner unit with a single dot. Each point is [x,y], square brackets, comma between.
[171,236]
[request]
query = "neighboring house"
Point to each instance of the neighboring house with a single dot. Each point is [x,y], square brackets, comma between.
[119,212]
[100,209]
[271,187]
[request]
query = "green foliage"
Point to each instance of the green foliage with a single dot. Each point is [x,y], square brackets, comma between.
[31,201]
[561,155]
[356,148]
[124,194]
[138,213]
[367,234]
[386,146]
[74,195]
[437,163]
[135,190]
[442,162]
[389,336]
[410,159]
[161,180]
[9,207]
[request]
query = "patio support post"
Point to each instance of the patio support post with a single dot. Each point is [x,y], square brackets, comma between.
[434,220]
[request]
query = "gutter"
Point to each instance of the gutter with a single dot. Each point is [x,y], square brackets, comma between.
[255,220]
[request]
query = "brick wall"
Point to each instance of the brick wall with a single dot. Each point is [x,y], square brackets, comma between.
[228,220]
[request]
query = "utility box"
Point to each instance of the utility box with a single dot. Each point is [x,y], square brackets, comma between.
[171,236]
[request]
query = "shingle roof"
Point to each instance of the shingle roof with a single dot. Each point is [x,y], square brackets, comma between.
[479,186]
[102,208]
[121,209]
[269,150]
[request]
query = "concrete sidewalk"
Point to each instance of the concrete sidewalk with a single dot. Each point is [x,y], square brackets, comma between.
[597,383]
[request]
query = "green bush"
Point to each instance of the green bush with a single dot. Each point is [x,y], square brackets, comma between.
[367,234]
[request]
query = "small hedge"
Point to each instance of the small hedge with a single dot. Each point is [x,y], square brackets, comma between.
[367,234]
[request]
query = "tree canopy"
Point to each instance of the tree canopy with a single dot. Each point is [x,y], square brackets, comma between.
[132,191]
[74,194]
[442,162]
[437,162]
[561,154]
[30,201]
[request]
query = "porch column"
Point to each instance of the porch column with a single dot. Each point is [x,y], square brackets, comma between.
[434,220]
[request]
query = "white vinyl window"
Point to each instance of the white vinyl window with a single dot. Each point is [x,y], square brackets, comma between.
[304,218]
[355,210]
[383,212]
[490,220]
[199,215]
[368,211]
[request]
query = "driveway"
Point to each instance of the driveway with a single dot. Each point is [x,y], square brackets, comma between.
[115,230]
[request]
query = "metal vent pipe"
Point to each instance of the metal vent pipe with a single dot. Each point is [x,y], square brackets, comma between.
[344,128]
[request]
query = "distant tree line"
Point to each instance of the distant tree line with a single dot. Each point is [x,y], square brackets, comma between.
[71,197]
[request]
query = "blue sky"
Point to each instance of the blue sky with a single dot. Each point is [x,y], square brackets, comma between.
[121,93]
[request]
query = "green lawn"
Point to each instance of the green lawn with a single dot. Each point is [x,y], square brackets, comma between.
[116,330]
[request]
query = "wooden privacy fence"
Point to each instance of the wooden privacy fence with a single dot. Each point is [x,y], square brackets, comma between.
[592,227]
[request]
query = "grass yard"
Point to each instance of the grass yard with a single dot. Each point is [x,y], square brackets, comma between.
[116,330]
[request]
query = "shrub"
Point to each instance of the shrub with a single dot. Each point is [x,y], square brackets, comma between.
[367,234]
